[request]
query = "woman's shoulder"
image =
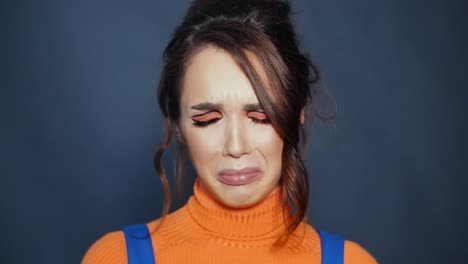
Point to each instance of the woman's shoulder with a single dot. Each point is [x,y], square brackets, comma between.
[354,253]
[110,248]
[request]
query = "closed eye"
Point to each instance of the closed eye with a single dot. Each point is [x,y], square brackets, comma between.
[259,117]
[213,117]
[206,119]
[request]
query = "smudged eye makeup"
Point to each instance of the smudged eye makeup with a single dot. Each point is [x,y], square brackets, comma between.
[206,119]
[214,116]
[259,117]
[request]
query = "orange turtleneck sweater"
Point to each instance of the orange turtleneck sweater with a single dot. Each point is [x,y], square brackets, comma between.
[205,231]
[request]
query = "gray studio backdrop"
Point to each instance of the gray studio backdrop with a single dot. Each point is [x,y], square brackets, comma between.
[80,123]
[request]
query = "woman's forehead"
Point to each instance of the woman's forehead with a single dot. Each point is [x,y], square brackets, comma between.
[213,76]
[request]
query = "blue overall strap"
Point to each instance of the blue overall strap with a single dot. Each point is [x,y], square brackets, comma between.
[332,248]
[139,247]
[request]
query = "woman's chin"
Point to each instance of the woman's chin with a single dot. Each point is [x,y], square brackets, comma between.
[239,197]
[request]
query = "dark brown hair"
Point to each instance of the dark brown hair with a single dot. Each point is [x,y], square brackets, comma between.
[262,28]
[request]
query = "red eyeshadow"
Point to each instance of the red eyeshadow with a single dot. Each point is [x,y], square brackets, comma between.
[207,116]
[258,115]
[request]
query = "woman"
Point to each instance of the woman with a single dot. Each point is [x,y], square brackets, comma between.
[237,90]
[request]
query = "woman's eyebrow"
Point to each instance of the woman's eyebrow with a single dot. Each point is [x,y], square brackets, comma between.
[252,107]
[206,106]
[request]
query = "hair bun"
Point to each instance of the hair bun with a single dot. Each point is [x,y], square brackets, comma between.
[276,10]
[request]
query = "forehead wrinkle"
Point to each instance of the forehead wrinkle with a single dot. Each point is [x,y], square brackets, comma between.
[231,86]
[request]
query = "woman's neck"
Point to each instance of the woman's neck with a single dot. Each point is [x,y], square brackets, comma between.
[261,220]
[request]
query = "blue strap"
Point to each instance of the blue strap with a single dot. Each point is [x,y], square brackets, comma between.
[332,248]
[139,247]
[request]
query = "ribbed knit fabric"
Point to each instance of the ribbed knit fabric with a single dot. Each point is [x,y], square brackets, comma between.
[205,231]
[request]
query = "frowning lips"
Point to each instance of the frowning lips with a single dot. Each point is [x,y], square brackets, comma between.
[239,177]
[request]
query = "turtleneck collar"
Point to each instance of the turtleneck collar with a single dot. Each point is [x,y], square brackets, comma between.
[260,221]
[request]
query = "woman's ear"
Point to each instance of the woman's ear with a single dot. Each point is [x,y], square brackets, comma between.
[302,115]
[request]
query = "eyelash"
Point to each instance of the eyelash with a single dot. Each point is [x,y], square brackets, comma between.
[214,120]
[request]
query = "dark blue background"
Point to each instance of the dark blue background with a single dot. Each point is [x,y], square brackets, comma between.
[80,124]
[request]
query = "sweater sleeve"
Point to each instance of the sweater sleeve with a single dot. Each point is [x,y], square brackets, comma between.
[356,254]
[110,248]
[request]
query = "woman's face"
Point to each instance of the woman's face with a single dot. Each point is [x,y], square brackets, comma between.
[226,131]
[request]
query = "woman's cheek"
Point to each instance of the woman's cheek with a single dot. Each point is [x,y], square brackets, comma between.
[203,141]
[264,134]
[271,144]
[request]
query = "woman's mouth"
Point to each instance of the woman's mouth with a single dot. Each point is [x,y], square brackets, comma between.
[239,177]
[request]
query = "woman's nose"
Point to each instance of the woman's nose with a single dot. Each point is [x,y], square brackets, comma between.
[236,141]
